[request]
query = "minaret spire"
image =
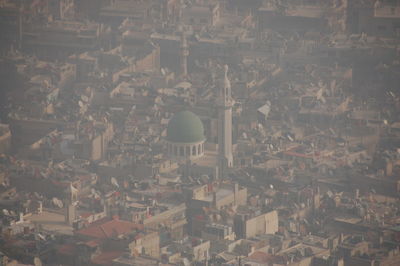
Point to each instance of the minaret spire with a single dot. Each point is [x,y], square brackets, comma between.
[184,55]
[227,82]
[225,157]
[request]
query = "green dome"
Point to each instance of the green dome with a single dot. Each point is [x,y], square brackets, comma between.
[185,127]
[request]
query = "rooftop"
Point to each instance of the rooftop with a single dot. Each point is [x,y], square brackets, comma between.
[107,229]
[52,222]
[387,11]
[185,127]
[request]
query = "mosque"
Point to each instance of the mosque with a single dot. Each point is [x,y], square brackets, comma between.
[185,139]
[185,136]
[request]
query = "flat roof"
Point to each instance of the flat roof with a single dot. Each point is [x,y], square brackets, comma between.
[221,193]
[52,221]
[387,11]
[305,11]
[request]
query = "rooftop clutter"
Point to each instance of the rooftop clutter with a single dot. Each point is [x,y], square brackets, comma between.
[125,140]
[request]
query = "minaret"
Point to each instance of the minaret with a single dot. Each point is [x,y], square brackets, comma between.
[224,101]
[184,55]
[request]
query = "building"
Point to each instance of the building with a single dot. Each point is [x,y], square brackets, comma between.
[188,249]
[91,140]
[224,102]
[198,16]
[60,38]
[118,10]
[184,56]
[10,26]
[173,220]
[185,136]
[381,18]
[248,225]
[107,229]
[216,231]
[146,244]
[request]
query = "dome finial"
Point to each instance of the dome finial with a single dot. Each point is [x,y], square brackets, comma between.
[227,83]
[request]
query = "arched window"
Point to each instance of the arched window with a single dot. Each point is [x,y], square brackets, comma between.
[188,151]
[194,150]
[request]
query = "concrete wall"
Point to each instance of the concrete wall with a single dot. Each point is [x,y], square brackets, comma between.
[263,224]
[151,244]
[304,262]
[96,152]
[242,197]
[226,201]
[200,252]
[166,218]
[99,144]
[148,244]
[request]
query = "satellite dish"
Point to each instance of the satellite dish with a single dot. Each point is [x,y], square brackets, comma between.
[57,203]
[41,237]
[114,182]
[37,261]
[84,98]
[186,262]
